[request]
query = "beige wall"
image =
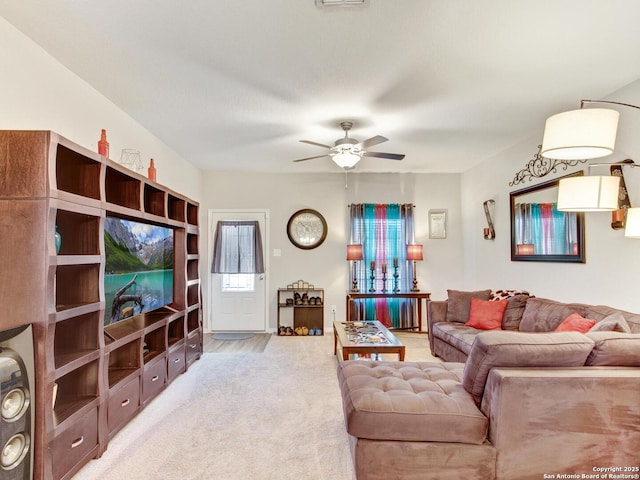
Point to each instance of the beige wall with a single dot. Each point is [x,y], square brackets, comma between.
[325,266]
[38,93]
[610,273]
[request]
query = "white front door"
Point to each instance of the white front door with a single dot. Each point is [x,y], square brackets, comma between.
[238,301]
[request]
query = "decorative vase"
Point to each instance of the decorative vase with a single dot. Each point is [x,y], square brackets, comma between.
[58,238]
[103,144]
[152,171]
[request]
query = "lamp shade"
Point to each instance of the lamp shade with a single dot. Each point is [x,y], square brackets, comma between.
[580,134]
[588,194]
[346,159]
[632,228]
[414,252]
[354,252]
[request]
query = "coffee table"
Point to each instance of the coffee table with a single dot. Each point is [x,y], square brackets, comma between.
[368,336]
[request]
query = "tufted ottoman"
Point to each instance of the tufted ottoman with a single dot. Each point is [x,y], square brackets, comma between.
[419,410]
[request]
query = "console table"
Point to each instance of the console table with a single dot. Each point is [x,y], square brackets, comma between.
[417,296]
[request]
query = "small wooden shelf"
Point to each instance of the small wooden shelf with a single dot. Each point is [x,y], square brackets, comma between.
[301,315]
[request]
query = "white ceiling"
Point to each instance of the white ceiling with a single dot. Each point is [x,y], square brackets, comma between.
[234,84]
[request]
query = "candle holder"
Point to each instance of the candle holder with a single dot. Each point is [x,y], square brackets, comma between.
[396,276]
[384,281]
[373,279]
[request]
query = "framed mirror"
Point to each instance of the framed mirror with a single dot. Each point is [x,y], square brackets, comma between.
[539,232]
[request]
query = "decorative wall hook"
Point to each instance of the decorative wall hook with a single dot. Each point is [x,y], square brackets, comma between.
[489,233]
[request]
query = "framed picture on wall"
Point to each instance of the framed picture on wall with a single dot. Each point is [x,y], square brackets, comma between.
[437,223]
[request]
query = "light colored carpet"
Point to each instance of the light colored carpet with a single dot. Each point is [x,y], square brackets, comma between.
[276,414]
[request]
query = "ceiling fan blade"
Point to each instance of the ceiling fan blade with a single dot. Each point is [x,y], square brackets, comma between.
[388,156]
[309,158]
[315,143]
[370,142]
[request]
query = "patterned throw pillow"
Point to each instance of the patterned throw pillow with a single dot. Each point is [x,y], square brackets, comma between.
[506,294]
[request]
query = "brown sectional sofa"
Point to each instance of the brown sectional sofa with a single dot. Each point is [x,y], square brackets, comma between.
[525,403]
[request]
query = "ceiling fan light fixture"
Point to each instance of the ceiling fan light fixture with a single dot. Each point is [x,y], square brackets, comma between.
[346,159]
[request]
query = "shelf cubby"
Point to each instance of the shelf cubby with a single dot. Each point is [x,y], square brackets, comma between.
[123,362]
[193,294]
[192,214]
[75,338]
[192,270]
[80,233]
[77,285]
[193,320]
[77,174]
[176,208]
[154,344]
[154,200]
[76,390]
[121,189]
[175,331]
[192,244]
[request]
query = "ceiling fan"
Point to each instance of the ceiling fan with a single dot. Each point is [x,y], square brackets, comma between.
[348,151]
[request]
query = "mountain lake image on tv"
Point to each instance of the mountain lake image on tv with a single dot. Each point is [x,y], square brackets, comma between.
[138,268]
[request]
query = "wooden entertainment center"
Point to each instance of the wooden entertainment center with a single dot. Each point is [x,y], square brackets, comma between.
[91,379]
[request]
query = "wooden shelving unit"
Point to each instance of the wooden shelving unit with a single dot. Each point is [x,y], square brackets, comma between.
[90,379]
[295,315]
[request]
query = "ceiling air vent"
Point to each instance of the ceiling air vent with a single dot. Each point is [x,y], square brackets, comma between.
[340,3]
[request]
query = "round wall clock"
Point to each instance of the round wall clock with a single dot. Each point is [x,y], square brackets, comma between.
[307,229]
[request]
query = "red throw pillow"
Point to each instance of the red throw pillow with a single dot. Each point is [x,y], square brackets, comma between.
[575,323]
[486,314]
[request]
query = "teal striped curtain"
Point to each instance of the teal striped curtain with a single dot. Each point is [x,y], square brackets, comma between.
[384,230]
[550,231]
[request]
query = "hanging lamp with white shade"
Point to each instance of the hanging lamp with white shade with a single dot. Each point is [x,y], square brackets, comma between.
[582,134]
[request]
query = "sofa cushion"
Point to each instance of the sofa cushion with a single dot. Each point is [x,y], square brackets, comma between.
[613,323]
[409,401]
[513,313]
[456,334]
[485,314]
[575,323]
[544,315]
[459,304]
[614,348]
[517,349]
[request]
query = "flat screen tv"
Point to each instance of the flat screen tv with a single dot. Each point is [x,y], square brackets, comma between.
[138,273]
